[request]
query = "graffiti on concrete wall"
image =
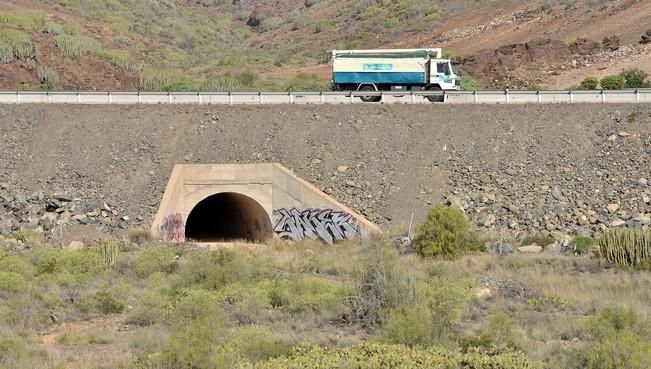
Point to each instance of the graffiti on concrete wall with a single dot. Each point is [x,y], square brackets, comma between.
[327,225]
[172,228]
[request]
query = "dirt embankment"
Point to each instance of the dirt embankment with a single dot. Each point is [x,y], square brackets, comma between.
[524,168]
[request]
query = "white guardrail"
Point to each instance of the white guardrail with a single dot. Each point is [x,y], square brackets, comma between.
[326,97]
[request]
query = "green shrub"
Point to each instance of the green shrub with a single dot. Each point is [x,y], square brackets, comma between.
[10,262]
[157,258]
[257,343]
[224,83]
[383,286]
[20,43]
[447,233]
[214,270]
[469,84]
[11,282]
[305,82]
[6,53]
[109,252]
[627,247]
[589,83]
[102,302]
[121,59]
[612,82]
[301,21]
[71,270]
[198,329]
[29,21]
[76,46]
[72,29]
[538,239]
[13,349]
[49,78]
[307,295]
[271,23]
[617,339]
[635,78]
[150,79]
[539,303]
[53,28]
[380,356]
[323,25]
[408,325]
[582,245]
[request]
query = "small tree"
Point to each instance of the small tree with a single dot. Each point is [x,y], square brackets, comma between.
[446,232]
[590,83]
[635,78]
[615,82]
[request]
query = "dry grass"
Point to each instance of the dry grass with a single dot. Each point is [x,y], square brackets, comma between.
[584,282]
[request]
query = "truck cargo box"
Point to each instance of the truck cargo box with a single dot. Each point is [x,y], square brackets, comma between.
[379,69]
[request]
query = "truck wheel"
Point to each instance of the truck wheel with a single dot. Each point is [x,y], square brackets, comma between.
[369,98]
[435,98]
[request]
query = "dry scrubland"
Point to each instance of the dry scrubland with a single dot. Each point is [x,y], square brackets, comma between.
[136,303]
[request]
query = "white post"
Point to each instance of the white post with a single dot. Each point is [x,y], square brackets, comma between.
[381,97]
[571,97]
[506,93]
[139,98]
[169,97]
[539,97]
[637,96]
[199,98]
[475,97]
[445,96]
[260,95]
[322,98]
[49,97]
[17,96]
[352,97]
[230,98]
[291,97]
[413,97]
[110,98]
[603,96]
[78,97]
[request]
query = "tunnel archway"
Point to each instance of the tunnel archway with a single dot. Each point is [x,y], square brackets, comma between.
[228,216]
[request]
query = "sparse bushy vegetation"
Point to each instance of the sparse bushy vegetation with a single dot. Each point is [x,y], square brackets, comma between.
[76,46]
[446,233]
[121,59]
[308,305]
[20,44]
[49,78]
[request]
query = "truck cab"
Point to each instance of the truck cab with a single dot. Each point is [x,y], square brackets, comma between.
[444,73]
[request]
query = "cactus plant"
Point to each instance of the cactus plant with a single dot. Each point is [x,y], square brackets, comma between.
[627,247]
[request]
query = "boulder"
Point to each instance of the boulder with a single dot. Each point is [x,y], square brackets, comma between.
[530,249]
[75,245]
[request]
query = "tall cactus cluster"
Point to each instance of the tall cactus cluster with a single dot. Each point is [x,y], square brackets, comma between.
[627,247]
[109,252]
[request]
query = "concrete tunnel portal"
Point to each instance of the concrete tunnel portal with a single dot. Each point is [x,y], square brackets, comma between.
[228,216]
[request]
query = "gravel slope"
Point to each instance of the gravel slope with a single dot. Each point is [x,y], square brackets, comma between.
[383,161]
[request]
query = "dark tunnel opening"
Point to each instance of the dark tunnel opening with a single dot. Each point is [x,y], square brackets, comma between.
[228,216]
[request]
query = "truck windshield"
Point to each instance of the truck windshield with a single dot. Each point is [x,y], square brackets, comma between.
[455,70]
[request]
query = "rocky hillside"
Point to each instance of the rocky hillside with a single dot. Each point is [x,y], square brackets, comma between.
[561,169]
[204,44]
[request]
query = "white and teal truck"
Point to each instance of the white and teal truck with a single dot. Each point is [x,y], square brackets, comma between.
[393,70]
